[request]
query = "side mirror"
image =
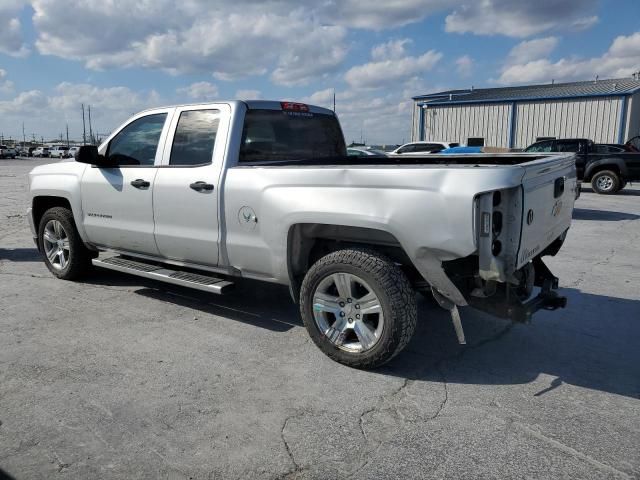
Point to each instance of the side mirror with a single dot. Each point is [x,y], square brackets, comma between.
[89,154]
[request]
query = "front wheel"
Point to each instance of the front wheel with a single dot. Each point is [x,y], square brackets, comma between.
[64,252]
[358,307]
[605,182]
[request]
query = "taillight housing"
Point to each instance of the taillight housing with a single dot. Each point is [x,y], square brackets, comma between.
[294,107]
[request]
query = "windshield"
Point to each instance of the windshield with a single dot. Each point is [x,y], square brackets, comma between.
[282,135]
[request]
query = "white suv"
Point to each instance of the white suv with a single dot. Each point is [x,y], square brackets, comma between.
[422,148]
[59,151]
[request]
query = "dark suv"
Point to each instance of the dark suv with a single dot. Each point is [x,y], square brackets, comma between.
[607,166]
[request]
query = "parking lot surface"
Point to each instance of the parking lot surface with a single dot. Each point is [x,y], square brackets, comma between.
[120,377]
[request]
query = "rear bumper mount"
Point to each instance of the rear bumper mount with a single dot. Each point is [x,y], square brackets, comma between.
[506,303]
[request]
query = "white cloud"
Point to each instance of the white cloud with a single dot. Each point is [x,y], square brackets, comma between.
[390,70]
[6,86]
[530,50]
[393,49]
[199,91]
[109,108]
[232,40]
[519,18]
[11,37]
[247,94]
[464,65]
[620,60]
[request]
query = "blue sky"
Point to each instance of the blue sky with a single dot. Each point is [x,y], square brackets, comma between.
[121,56]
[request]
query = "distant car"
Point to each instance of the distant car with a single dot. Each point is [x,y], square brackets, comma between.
[41,152]
[59,151]
[72,152]
[365,152]
[23,152]
[7,152]
[422,148]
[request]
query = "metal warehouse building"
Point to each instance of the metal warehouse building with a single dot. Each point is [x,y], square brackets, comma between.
[606,111]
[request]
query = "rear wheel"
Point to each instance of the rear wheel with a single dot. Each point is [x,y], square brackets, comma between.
[64,252]
[605,182]
[358,307]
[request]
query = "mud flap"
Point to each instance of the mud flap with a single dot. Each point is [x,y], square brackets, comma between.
[447,304]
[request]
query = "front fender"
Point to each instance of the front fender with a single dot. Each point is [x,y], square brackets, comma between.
[60,180]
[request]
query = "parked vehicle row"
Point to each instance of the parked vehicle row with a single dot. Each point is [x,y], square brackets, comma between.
[7,152]
[57,151]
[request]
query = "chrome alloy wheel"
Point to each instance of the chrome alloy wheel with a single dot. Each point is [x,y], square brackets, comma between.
[605,183]
[56,244]
[348,312]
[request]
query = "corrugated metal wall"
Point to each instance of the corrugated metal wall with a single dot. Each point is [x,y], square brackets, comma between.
[633,117]
[456,123]
[594,118]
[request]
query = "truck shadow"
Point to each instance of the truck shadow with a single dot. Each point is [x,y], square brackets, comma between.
[592,343]
[602,215]
[20,254]
[633,192]
[260,304]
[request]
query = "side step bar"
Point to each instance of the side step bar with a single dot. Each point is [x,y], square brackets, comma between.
[155,271]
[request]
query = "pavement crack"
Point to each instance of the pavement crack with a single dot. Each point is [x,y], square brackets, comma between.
[445,385]
[297,469]
[570,450]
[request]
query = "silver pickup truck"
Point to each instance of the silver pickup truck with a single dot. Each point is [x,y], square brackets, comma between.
[200,195]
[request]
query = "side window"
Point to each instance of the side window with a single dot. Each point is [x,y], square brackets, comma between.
[195,137]
[567,146]
[136,144]
[407,149]
[540,147]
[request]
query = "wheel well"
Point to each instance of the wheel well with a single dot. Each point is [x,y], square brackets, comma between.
[308,242]
[42,204]
[609,166]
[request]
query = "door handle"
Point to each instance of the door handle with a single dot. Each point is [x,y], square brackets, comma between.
[201,186]
[140,183]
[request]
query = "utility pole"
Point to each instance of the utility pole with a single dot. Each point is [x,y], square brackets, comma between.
[67,135]
[90,129]
[334,100]
[24,139]
[84,128]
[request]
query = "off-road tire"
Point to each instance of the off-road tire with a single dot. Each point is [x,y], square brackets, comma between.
[390,285]
[79,262]
[614,181]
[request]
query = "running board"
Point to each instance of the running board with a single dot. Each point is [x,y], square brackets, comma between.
[155,271]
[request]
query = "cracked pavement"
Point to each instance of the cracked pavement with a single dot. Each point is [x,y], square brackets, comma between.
[120,377]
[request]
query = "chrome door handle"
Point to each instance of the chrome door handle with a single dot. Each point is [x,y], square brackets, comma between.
[201,186]
[140,183]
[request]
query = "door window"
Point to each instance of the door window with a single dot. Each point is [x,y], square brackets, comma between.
[567,146]
[195,137]
[540,147]
[136,144]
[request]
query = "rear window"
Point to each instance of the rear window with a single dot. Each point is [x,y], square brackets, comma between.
[281,135]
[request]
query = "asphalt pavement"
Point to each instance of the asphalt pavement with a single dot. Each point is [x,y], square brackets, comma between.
[119,377]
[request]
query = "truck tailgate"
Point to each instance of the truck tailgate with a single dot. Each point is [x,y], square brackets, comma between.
[549,192]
